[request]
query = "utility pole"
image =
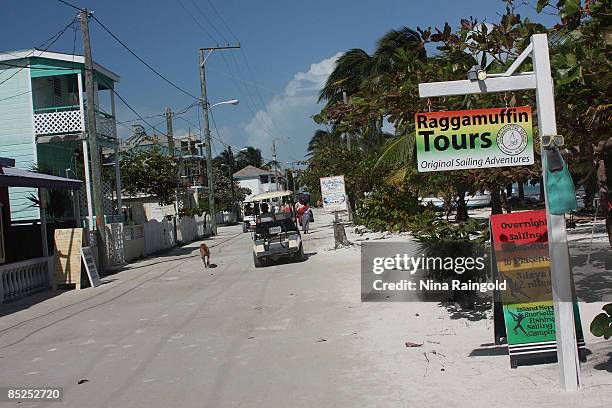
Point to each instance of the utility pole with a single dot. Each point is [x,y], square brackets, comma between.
[275,164]
[169,132]
[230,159]
[205,106]
[92,139]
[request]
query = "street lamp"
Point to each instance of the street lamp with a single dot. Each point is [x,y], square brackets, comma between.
[229,102]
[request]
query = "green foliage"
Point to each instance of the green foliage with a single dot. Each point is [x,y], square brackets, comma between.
[331,157]
[384,84]
[223,190]
[200,210]
[388,209]
[248,156]
[601,326]
[443,239]
[151,173]
[58,201]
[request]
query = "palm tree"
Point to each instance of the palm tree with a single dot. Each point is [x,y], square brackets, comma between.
[359,74]
[249,156]
[322,139]
[352,69]
[356,70]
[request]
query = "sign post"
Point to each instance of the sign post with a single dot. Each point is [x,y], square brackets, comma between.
[333,193]
[540,80]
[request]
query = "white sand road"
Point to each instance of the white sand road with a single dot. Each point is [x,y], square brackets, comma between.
[165,332]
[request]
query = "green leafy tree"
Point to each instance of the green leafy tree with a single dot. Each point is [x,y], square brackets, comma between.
[249,156]
[223,189]
[149,172]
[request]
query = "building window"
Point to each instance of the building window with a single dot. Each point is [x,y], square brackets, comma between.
[57,90]
[263,179]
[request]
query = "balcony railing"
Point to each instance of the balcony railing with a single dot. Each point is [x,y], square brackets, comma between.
[67,119]
[106,125]
[57,120]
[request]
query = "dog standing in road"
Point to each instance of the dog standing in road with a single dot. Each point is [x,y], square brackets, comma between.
[205,252]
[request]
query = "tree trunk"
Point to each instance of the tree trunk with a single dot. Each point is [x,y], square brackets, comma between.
[462,211]
[506,202]
[509,191]
[541,190]
[589,194]
[496,207]
[521,191]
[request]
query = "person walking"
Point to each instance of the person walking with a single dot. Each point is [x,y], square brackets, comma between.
[305,217]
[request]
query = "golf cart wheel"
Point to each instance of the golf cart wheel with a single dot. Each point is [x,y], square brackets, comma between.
[258,262]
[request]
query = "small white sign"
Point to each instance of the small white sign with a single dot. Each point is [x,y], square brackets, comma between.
[90,266]
[333,193]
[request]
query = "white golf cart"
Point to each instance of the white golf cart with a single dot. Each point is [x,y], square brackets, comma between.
[279,238]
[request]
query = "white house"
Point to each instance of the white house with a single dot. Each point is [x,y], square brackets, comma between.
[43,123]
[257,180]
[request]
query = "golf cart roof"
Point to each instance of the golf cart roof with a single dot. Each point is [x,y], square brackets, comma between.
[269,196]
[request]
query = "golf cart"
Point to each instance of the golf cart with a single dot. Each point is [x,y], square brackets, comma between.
[280,237]
[250,211]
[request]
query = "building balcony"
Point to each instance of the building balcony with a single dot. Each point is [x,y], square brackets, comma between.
[65,120]
[105,125]
[58,120]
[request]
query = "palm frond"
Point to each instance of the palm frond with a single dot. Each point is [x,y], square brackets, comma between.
[398,151]
[397,177]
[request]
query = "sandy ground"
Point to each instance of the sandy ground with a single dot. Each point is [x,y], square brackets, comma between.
[167,333]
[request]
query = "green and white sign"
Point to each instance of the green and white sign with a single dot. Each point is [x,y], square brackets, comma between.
[474,139]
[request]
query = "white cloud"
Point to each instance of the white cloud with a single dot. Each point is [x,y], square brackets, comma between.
[287,117]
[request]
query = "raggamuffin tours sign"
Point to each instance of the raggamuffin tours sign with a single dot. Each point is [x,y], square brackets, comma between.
[474,139]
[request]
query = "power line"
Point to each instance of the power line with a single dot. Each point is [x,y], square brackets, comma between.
[55,37]
[209,20]
[26,92]
[262,104]
[195,20]
[245,91]
[70,5]
[141,60]
[138,114]
[182,111]
[217,138]
[222,20]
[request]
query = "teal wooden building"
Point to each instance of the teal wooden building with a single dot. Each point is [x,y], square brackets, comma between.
[43,126]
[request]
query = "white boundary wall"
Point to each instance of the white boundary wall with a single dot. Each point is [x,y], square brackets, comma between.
[153,236]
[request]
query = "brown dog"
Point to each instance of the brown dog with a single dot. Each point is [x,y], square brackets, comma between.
[205,252]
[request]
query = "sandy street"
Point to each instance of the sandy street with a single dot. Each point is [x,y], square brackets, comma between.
[165,332]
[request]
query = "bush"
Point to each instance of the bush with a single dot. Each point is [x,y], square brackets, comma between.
[601,326]
[443,239]
[388,209]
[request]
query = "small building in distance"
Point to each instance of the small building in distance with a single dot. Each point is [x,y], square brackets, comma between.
[257,180]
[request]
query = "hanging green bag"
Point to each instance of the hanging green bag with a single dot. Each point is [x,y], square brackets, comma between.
[560,192]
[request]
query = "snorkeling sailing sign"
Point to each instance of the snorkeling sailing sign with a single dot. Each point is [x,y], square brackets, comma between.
[474,139]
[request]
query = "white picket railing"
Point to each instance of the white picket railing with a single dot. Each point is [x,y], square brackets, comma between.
[23,278]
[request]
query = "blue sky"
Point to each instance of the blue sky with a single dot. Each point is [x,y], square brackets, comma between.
[288,49]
